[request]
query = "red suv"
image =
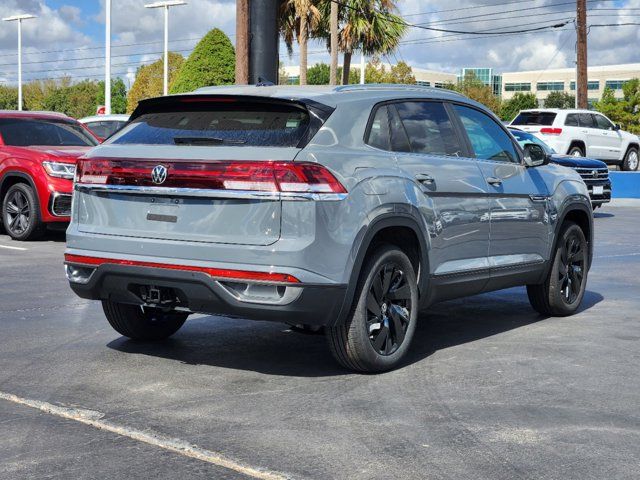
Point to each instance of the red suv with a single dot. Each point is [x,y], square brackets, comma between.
[38,153]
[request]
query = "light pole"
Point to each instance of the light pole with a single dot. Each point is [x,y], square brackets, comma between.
[166,4]
[107,54]
[19,19]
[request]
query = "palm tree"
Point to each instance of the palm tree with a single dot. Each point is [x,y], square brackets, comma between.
[366,25]
[299,19]
[333,43]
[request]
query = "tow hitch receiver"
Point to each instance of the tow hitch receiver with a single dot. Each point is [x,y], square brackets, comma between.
[159,296]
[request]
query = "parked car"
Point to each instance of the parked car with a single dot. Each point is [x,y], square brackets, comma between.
[593,172]
[103,126]
[38,153]
[347,207]
[582,133]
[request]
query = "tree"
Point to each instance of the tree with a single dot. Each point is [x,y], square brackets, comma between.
[118,95]
[560,100]
[624,111]
[299,19]
[212,62]
[319,74]
[520,101]
[333,43]
[149,80]
[370,26]
[8,98]
[472,87]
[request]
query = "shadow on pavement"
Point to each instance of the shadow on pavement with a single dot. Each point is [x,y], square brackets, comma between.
[273,349]
[603,215]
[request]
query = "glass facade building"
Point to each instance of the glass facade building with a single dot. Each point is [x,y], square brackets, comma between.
[486,76]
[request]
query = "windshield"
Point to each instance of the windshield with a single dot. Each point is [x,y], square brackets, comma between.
[525,137]
[234,124]
[534,118]
[25,132]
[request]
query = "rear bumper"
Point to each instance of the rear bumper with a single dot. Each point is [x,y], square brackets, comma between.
[198,292]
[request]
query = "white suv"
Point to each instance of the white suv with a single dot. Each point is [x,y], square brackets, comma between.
[582,133]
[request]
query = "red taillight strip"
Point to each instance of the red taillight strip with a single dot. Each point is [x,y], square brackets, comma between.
[212,272]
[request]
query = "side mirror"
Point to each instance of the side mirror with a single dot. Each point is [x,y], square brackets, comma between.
[617,127]
[534,155]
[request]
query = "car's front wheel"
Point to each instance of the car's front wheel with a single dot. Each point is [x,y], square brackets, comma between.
[378,332]
[630,162]
[21,213]
[563,290]
[142,323]
[576,151]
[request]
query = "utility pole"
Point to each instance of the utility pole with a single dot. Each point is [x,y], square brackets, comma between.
[581,61]
[333,20]
[107,63]
[165,5]
[19,19]
[263,40]
[242,42]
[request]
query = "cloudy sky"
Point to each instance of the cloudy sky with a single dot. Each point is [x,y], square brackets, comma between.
[67,38]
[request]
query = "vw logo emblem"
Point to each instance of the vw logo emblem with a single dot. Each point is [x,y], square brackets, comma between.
[594,173]
[159,174]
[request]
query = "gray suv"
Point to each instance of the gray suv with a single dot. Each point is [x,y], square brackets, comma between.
[349,207]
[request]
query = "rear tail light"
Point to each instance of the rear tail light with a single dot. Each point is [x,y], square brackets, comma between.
[551,131]
[266,176]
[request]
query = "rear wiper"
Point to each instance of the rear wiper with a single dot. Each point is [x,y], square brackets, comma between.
[206,141]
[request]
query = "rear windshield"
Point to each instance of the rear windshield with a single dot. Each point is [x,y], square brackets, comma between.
[105,128]
[22,132]
[534,118]
[219,123]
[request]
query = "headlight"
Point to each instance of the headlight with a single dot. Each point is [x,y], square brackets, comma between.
[60,170]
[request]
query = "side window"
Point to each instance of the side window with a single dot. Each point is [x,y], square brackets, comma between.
[572,120]
[429,128]
[603,123]
[586,120]
[378,135]
[488,140]
[399,139]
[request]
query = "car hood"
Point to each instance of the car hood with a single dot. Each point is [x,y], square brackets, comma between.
[63,154]
[574,162]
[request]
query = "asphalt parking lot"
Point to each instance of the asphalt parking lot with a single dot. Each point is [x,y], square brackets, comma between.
[491,389]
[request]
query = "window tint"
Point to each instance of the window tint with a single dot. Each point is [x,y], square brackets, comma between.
[379,130]
[534,118]
[571,120]
[586,120]
[223,123]
[20,132]
[429,128]
[525,137]
[105,128]
[488,140]
[399,139]
[603,123]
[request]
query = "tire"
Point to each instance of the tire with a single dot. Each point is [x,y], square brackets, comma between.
[21,213]
[576,151]
[140,323]
[366,342]
[558,296]
[630,162]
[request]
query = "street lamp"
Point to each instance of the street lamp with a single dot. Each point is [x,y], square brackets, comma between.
[19,19]
[166,4]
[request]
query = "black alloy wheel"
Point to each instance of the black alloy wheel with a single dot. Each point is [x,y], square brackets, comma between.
[18,213]
[571,268]
[388,309]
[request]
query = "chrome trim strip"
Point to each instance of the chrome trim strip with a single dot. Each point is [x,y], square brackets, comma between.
[54,197]
[210,193]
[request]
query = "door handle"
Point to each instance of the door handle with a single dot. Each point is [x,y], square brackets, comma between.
[496,182]
[425,178]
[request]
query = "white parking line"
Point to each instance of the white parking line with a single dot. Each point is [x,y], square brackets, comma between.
[94,419]
[12,248]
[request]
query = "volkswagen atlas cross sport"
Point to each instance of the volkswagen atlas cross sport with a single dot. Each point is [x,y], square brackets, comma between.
[345,207]
[38,153]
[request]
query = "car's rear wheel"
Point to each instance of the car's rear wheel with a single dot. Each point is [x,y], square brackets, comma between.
[576,151]
[630,162]
[563,290]
[378,332]
[142,323]
[21,213]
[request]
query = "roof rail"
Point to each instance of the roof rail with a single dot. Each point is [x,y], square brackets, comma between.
[391,86]
[43,112]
